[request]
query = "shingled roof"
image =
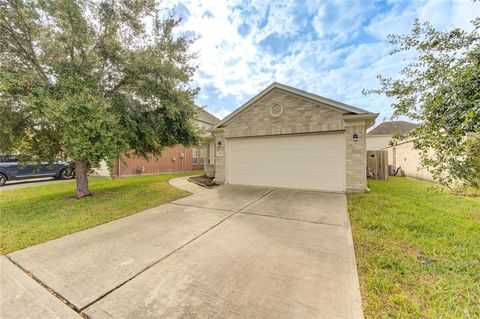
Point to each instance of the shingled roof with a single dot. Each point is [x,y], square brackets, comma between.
[204,116]
[391,127]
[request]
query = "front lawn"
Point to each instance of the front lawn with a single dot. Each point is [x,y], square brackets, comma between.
[36,214]
[417,249]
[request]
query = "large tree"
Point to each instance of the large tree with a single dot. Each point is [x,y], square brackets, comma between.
[440,90]
[89,80]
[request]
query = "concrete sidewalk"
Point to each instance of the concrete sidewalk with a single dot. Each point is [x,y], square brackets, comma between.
[183,183]
[23,297]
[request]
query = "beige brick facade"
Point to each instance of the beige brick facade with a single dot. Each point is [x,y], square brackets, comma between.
[299,115]
[356,157]
[220,156]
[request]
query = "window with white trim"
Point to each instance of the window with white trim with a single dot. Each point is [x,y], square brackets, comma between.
[195,155]
[202,155]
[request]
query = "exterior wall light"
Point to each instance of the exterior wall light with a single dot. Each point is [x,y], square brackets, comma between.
[219,144]
[355,137]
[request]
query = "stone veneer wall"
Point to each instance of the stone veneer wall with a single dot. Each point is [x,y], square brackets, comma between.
[298,116]
[356,156]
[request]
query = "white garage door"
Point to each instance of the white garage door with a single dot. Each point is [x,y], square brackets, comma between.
[296,161]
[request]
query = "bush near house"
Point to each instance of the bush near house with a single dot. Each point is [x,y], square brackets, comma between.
[417,249]
[33,215]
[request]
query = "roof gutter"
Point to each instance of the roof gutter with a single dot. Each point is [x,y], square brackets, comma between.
[368,117]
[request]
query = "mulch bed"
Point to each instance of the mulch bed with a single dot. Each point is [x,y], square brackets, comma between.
[203,180]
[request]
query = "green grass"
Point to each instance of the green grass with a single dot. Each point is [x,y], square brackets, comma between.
[417,249]
[36,214]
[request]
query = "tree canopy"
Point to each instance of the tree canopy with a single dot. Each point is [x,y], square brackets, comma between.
[89,80]
[440,90]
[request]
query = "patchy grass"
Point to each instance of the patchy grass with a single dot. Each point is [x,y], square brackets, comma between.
[417,249]
[36,214]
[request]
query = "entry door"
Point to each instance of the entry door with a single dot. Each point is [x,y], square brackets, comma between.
[315,161]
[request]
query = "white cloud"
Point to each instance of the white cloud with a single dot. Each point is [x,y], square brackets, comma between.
[442,14]
[342,18]
[333,48]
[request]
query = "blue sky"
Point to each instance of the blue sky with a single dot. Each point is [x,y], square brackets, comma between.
[331,48]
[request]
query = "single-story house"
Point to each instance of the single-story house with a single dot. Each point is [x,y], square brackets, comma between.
[286,137]
[381,136]
[173,159]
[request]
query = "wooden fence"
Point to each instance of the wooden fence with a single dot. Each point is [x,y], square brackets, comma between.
[377,164]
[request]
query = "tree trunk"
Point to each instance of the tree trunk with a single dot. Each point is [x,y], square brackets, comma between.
[81,176]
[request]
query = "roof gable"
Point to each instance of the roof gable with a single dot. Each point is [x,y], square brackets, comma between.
[392,127]
[204,116]
[332,104]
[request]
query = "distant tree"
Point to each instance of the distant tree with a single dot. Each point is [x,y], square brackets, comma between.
[441,91]
[89,80]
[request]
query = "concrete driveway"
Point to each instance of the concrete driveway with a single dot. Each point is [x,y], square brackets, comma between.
[229,252]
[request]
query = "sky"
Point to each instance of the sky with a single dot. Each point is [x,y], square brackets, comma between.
[330,48]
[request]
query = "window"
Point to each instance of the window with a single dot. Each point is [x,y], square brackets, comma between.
[10,158]
[202,155]
[195,155]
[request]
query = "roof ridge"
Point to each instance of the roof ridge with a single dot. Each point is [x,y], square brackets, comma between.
[390,127]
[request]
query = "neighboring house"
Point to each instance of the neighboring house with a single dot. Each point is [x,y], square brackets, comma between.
[380,136]
[404,157]
[401,155]
[286,137]
[173,159]
[407,160]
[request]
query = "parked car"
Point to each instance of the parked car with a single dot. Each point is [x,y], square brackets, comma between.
[12,169]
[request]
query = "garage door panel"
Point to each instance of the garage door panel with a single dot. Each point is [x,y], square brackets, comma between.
[328,183]
[286,170]
[301,161]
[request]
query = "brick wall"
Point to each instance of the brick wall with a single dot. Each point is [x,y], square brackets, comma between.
[220,156]
[356,156]
[405,156]
[169,161]
[298,116]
